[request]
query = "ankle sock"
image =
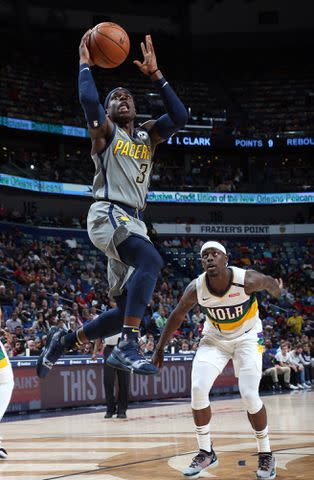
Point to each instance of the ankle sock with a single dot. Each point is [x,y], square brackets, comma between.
[203,438]
[130,333]
[262,440]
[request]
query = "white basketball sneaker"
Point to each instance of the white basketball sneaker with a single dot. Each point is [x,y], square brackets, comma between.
[3,453]
[200,462]
[266,466]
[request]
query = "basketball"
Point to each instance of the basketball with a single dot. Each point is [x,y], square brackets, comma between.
[108,45]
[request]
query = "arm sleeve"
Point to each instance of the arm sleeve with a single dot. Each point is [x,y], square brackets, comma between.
[176,116]
[89,98]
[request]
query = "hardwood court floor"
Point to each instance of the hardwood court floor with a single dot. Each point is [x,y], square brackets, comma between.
[156,443]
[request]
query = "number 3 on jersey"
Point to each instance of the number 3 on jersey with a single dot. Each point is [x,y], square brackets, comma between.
[143,168]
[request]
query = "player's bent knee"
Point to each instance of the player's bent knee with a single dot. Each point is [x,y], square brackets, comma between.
[252,401]
[155,261]
[199,397]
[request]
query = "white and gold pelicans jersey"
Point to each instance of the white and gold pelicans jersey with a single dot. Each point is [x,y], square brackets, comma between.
[231,314]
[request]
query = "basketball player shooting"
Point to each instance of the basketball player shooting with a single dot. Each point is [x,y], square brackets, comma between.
[122,155]
[233,330]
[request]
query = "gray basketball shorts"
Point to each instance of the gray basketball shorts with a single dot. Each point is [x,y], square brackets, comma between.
[108,225]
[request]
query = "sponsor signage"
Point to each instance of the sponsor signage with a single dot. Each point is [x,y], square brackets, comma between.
[44,186]
[21,124]
[231,198]
[27,393]
[211,229]
[81,383]
[162,197]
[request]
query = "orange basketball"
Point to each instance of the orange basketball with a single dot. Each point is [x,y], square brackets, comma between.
[108,45]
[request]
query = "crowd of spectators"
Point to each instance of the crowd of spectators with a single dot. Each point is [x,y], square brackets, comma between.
[254,102]
[289,365]
[199,170]
[19,216]
[61,281]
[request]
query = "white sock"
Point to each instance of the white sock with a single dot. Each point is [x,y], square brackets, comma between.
[262,440]
[203,438]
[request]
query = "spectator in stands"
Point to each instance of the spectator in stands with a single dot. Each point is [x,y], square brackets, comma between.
[5,298]
[187,327]
[41,325]
[31,345]
[19,349]
[296,360]
[87,349]
[14,321]
[283,360]
[18,333]
[160,318]
[273,369]
[295,323]
[307,363]
[185,347]
[198,319]
[149,347]
[71,242]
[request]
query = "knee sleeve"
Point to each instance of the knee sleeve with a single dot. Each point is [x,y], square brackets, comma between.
[203,377]
[248,386]
[142,255]
[199,398]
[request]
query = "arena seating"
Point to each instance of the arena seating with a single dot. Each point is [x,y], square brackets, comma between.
[253,102]
[61,272]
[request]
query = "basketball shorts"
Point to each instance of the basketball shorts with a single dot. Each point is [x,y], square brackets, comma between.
[246,352]
[108,225]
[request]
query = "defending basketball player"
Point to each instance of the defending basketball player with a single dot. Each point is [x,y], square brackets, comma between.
[233,330]
[6,385]
[122,155]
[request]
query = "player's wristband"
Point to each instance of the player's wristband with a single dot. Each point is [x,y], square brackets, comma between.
[160,83]
[176,116]
[84,66]
[152,73]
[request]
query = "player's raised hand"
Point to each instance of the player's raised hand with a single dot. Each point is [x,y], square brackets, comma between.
[83,49]
[149,64]
[158,358]
[280,283]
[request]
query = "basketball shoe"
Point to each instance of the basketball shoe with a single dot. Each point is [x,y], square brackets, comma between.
[51,352]
[126,356]
[266,466]
[200,462]
[3,453]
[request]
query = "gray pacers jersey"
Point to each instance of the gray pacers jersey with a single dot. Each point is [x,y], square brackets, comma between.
[123,168]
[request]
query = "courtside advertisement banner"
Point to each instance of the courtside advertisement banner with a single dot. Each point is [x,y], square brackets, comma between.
[221,229]
[79,382]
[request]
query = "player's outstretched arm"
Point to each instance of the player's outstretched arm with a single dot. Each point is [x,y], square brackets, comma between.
[176,318]
[257,282]
[176,116]
[100,127]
